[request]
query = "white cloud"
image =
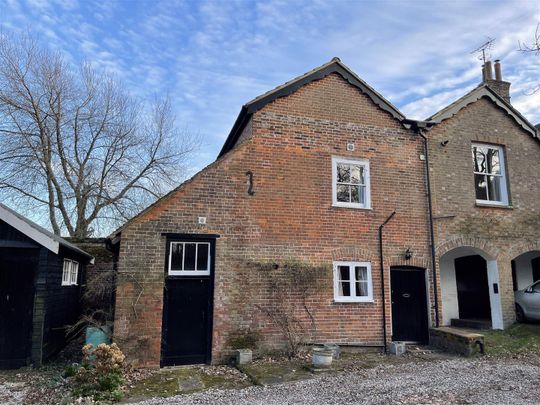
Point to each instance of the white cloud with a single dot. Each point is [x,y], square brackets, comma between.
[213,56]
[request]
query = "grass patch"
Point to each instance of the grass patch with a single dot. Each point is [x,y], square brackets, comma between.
[519,339]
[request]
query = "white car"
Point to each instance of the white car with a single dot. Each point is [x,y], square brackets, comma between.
[528,303]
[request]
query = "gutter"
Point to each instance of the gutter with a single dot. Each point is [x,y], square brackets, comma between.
[418,127]
[381,258]
[431,230]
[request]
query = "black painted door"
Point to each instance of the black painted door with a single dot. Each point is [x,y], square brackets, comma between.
[472,287]
[16,302]
[187,311]
[535,263]
[409,305]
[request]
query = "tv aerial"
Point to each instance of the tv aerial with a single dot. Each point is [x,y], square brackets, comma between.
[484,49]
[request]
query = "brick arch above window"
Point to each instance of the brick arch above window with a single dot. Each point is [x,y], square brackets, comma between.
[490,139]
[352,253]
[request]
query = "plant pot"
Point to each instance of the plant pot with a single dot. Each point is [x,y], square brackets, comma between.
[322,358]
[335,349]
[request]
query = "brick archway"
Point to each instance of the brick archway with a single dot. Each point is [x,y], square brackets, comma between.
[422,262]
[521,248]
[462,241]
[447,254]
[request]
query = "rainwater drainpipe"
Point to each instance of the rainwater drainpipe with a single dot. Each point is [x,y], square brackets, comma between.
[431,231]
[381,258]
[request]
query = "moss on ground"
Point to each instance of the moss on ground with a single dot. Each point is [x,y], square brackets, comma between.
[519,339]
[182,380]
[264,373]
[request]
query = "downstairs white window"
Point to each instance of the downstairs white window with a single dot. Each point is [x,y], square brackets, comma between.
[352,282]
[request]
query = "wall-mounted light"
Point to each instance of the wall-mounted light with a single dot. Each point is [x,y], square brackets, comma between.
[408,254]
[445,142]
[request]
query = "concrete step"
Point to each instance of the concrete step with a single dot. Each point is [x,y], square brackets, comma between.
[480,324]
[457,340]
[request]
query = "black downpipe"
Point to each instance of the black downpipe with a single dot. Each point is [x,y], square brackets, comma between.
[431,231]
[381,258]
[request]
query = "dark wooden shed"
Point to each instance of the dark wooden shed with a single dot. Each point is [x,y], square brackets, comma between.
[40,287]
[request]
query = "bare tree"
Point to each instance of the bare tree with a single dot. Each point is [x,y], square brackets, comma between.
[533,46]
[76,144]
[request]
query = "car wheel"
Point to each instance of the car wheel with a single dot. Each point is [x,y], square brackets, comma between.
[520,315]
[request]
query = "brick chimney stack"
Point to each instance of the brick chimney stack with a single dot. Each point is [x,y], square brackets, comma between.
[498,85]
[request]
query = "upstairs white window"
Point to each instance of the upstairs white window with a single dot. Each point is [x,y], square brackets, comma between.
[189,259]
[489,174]
[350,184]
[70,272]
[352,282]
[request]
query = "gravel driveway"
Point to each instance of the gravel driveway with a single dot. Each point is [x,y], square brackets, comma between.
[456,381]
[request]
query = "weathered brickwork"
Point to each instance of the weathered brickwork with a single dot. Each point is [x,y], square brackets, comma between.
[288,146]
[502,233]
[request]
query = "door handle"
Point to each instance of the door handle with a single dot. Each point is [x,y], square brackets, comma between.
[406,295]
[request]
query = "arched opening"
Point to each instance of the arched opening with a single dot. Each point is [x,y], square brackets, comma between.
[525,278]
[470,289]
[526,269]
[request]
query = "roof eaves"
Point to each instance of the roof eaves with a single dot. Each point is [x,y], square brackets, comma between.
[334,66]
[287,88]
[451,106]
[115,236]
[37,233]
[476,94]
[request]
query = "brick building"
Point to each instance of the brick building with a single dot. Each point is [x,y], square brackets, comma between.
[314,224]
[486,203]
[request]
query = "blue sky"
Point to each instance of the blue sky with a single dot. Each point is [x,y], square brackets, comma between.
[211,57]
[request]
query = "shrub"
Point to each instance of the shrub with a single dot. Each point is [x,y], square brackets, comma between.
[100,375]
[244,339]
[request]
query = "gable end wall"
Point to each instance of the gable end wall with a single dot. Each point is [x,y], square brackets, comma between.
[290,217]
[457,217]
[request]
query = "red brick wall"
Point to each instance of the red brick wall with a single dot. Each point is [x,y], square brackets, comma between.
[290,217]
[503,233]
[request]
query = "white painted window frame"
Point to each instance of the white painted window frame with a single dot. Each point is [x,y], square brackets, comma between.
[70,272]
[74,273]
[502,175]
[189,272]
[367,198]
[352,281]
[66,273]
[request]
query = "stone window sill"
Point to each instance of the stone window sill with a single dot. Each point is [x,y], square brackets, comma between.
[504,207]
[334,302]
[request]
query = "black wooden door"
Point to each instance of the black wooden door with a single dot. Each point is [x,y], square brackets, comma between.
[535,263]
[16,302]
[409,305]
[472,287]
[187,314]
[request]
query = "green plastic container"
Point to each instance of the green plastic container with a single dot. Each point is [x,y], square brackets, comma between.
[96,336]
